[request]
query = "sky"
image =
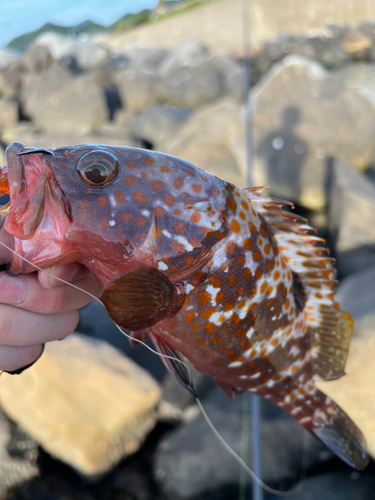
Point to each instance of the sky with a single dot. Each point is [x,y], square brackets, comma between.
[20,16]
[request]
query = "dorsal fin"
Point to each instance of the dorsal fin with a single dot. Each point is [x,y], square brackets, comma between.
[330,329]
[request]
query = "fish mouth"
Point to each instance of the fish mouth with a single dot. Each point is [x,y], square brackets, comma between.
[38,213]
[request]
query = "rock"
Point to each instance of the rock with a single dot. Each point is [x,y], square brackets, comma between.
[350,219]
[356,44]
[213,139]
[8,114]
[138,88]
[62,103]
[109,133]
[18,456]
[302,115]
[191,461]
[37,59]
[360,77]
[10,81]
[355,391]
[157,123]
[191,77]
[84,50]
[148,60]
[7,56]
[335,486]
[326,51]
[83,402]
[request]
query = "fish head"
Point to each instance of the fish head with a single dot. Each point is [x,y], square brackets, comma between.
[111,208]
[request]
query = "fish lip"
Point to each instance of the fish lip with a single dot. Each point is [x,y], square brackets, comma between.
[26,196]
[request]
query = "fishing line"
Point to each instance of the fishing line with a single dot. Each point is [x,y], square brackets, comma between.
[199,404]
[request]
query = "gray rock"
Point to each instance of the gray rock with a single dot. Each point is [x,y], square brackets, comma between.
[7,56]
[336,486]
[350,219]
[361,78]
[37,59]
[148,60]
[213,139]
[60,102]
[138,88]
[326,51]
[18,457]
[10,80]
[157,123]
[302,115]
[8,114]
[84,50]
[190,460]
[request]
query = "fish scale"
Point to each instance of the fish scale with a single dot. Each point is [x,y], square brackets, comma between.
[221,275]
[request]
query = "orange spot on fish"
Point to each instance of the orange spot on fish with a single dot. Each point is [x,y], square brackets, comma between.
[131,164]
[176,246]
[204,297]
[241,261]
[164,169]
[177,212]
[216,282]
[245,205]
[197,188]
[207,313]
[232,280]
[129,180]
[169,200]
[252,228]
[157,185]
[104,222]
[84,203]
[210,328]
[270,264]
[140,221]
[204,178]
[258,273]
[179,227]
[240,291]
[257,256]
[214,192]
[144,174]
[119,197]
[221,318]
[126,217]
[263,288]
[242,215]
[247,274]
[102,200]
[248,244]
[148,161]
[195,327]
[190,316]
[195,217]
[229,305]
[190,171]
[195,242]
[263,230]
[232,205]
[139,197]
[267,249]
[230,248]
[178,183]
[220,297]
[159,212]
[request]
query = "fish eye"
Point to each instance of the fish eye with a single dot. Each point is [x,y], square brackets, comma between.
[98,168]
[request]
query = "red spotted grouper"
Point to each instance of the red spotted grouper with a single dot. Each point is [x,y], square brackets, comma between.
[219,274]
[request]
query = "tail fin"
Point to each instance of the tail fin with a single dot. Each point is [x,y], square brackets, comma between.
[338,432]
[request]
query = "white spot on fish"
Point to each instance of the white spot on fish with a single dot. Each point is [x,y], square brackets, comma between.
[111,222]
[189,288]
[162,266]
[146,213]
[167,233]
[235,364]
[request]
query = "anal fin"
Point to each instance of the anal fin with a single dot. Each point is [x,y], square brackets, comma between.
[173,363]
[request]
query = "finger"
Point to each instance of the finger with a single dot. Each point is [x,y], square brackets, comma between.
[18,371]
[26,292]
[68,272]
[13,358]
[23,328]
[5,254]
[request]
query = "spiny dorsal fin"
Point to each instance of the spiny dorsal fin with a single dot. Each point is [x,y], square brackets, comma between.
[330,328]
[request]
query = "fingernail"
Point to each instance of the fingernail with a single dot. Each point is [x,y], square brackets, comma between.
[12,289]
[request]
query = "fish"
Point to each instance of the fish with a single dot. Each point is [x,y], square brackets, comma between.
[225,277]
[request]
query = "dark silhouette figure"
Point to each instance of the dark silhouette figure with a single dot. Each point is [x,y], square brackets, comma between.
[284,154]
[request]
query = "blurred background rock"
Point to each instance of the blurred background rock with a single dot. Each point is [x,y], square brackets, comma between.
[171,78]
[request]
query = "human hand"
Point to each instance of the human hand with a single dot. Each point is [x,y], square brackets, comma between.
[36,308]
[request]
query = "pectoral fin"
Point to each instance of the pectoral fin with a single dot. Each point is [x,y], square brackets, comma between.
[141,298]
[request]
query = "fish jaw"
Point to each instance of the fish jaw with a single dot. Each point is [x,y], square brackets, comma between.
[39,214]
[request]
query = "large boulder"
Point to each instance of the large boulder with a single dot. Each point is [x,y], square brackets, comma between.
[60,102]
[190,461]
[7,56]
[355,392]
[37,59]
[85,51]
[158,123]
[8,114]
[351,211]
[213,138]
[302,115]
[83,402]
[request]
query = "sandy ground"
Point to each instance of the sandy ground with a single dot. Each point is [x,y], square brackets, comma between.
[220,25]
